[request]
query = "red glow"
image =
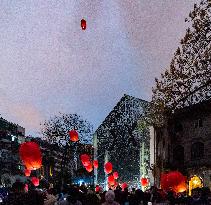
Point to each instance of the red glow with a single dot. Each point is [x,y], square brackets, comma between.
[27,172]
[144,181]
[116,175]
[108,167]
[111,180]
[83,24]
[73,135]
[89,168]
[31,155]
[85,159]
[95,164]
[35,181]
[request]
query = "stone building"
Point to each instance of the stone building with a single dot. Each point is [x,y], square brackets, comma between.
[123,139]
[184,143]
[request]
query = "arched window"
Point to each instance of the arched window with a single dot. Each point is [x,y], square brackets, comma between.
[197,150]
[178,154]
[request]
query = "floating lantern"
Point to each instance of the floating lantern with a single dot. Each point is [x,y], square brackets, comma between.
[95,164]
[31,155]
[173,180]
[108,167]
[97,188]
[144,182]
[89,168]
[27,172]
[35,181]
[116,175]
[85,159]
[111,180]
[124,186]
[83,24]
[73,135]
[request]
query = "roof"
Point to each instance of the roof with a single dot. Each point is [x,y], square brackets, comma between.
[125,97]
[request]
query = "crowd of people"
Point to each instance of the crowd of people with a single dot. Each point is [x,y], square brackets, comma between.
[81,195]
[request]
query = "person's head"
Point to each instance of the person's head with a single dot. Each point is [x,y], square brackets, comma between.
[109,196]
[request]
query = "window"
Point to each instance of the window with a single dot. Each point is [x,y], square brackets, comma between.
[197,150]
[178,154]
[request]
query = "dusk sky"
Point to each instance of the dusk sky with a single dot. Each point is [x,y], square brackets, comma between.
[48,64]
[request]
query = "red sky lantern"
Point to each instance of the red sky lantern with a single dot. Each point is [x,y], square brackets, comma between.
[124,186]
[27,172]
[173,180]
[97,188]
[89,168]
[108,167]
[111,180]
[116,175]
[83,24]
[95,164]
[35,181]
[85,159]
[31,155]
[144,182]
[73,135]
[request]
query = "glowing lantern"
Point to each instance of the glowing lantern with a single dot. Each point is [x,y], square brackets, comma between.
[173,180]
[108,167]
[31,155]
[95,164]
[111,180]
[73,135]
[27,172]
[85,159]
[144,181]
[116,175]
[83,24]
[124,186]
[35,181]
[97,188]
[89,168]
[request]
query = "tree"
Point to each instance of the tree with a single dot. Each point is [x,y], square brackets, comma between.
[56,130]
[187,81]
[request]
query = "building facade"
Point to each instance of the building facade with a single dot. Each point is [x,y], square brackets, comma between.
[184,143]
[123,140]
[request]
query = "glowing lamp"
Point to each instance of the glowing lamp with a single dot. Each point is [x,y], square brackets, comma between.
[111,180]
[116,175]
[35,181]
[108,167]
[27,172]
[97,188]
[144,182]
[173,180]
[73,135]
[89,168]
[83,24]
[31,155]
[95,164]
[85,159]
[124,186]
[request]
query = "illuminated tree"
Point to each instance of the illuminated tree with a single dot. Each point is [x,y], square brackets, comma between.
[187,81]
